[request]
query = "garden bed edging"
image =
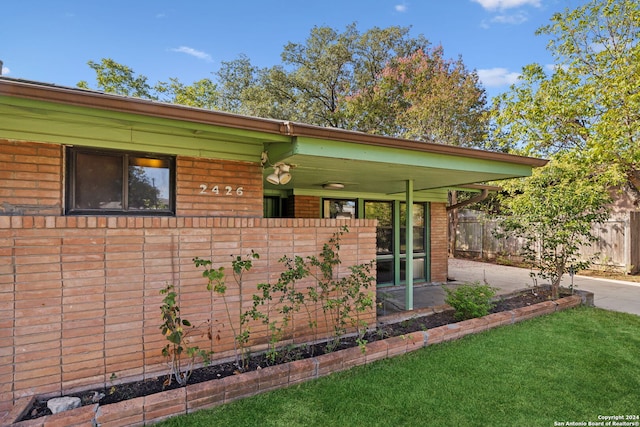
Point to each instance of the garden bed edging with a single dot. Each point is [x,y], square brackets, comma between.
[157,407]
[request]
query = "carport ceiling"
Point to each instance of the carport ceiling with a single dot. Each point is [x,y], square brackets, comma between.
[385,169]
[374,177]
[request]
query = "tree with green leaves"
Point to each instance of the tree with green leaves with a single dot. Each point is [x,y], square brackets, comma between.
[424,97]
[317,77]
[554,211]
[380,81]
[201,94]
[112,77]
[589,102]
[237,80]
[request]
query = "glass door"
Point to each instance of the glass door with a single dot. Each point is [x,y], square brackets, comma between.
[419,242]
[391,254]
[385,262]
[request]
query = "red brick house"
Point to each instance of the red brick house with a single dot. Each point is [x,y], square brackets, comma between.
[105,199]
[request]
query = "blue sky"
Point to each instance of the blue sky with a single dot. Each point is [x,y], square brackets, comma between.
[52,40]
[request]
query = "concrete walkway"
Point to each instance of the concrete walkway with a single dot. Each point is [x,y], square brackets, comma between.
[609,294]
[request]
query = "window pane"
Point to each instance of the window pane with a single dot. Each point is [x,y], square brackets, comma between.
[383,212]
[418,240]
[418,269]
[342,209]
[418,228]
[418,214]
[148,183]
[115,182]
[271,207]
[98,181]
[384,271]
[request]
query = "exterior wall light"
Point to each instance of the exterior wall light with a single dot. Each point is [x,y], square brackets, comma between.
[273,178]
[284,175]
[280,175]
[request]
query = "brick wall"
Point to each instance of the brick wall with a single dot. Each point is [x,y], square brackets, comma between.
[79,296]
[30,178]
[31,183]
[218,188]
[439,227]
[304,206]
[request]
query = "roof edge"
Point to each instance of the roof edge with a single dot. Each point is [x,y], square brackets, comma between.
[106,101]
[305,130]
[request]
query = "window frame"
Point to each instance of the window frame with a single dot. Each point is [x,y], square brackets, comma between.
[71,184]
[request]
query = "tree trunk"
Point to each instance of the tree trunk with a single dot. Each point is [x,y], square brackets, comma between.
[555,284]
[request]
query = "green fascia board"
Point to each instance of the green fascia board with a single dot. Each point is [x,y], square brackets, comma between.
[401,157]
[25,119]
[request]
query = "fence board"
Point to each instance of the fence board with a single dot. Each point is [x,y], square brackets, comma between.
[617,247]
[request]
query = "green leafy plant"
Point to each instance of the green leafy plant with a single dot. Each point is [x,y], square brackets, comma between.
[358,298]
[470,301]
[112,379]
[554,211]
[216,282]
[342,300]
[177,330]
[281,298]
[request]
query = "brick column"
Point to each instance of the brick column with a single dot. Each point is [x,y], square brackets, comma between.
[439,227]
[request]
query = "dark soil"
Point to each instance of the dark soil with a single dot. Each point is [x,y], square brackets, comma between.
[120,392]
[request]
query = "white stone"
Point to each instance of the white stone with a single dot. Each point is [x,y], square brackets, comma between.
[60,404]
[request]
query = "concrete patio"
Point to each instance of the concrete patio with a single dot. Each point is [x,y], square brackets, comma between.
[609,294]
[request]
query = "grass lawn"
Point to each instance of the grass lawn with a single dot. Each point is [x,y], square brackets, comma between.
[567,367]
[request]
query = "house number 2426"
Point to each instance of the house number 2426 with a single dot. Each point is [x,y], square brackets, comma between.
[227,190]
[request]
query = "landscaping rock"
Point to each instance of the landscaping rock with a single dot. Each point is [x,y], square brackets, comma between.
[61,404]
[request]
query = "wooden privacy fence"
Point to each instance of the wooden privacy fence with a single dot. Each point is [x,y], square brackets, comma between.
[618,245]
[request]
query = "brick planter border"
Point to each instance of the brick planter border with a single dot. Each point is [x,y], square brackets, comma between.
[159,406]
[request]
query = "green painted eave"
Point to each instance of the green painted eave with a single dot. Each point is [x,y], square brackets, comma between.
[34,120]
[371,169]
[370,166]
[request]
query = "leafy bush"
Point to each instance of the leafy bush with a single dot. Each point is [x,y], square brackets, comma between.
[470,301]
[216,282]
[343,299]
[176,330]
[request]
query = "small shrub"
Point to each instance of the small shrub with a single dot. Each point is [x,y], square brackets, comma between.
[176,330]
[343,300]
[470,301]
[216,283]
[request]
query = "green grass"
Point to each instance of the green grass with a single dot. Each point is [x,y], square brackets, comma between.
[569,366]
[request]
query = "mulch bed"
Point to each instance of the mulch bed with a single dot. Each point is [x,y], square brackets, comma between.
[120,392]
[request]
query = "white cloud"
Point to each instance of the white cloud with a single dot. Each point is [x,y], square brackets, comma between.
[193,52]
[515,19]
[495,77]
[5,71]
[506,4]
[401,8]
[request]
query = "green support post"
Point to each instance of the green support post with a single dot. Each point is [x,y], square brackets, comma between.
[409,246]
